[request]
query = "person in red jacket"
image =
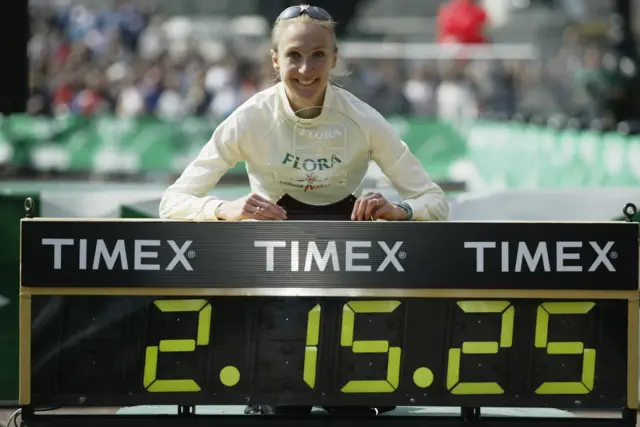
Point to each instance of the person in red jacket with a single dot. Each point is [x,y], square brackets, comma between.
[461,21]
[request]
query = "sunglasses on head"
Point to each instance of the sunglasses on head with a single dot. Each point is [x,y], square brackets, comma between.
[313,11]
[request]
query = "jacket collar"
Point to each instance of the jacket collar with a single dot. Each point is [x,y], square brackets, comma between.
[286,106]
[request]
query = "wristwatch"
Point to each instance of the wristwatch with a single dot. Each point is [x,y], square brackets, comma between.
[405,207]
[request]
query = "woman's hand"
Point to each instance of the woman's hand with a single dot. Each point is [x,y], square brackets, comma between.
[375,206]
[252,206]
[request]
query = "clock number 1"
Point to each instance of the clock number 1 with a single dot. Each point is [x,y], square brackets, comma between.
[394,354]
[311,347]
[151,383]
[480,347]
[588,354]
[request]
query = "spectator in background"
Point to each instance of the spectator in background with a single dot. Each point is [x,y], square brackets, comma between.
[537,92]
[495,86]
[150,85]
[198,98]
[172,104]
[64,87]
[420,91]
[130,102]
[89,100]
[387,92]
[596,87]
[461,21]
[455,98]
[129,61]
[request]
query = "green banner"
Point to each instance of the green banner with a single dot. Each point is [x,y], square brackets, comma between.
[501,155]
[149,144]
[515,155]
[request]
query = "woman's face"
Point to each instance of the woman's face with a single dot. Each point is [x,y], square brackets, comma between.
[306,54]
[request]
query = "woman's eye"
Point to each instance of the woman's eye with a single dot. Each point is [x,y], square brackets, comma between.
[293,55]
[319,54]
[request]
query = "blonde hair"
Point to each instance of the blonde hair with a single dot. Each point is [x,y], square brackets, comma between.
[305,18]
[279,26]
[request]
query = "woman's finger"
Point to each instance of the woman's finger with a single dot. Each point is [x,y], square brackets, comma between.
[260,201]
[372,206]
[265,212]
[272,208]
[360,207]
[354,211]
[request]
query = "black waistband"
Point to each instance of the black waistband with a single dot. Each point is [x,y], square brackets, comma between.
[299,211]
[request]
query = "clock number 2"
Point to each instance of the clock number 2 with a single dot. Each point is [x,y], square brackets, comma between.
[151,383]
[507,314]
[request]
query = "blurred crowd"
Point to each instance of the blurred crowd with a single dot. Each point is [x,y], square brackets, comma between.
[118,60]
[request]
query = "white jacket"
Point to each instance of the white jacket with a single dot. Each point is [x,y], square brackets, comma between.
[249,135]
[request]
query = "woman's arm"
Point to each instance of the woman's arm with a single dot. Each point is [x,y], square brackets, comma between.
[406,173]
[187,197]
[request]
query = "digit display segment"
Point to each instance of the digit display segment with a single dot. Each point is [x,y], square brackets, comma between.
[394,353]
[203,331]
[136,350]
[585,384]
[506,311]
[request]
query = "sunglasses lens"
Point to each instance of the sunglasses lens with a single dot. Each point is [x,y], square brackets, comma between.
[290,12]
[319,13]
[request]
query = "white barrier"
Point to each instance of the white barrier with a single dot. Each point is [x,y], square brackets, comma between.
[90,200]
[580,204]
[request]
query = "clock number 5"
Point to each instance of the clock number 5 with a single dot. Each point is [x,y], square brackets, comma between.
[480,347]
[151,383]
[394,354]
[588,354]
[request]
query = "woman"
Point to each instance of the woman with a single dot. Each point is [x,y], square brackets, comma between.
[304,52]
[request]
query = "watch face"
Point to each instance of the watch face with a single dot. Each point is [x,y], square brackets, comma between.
[405,207]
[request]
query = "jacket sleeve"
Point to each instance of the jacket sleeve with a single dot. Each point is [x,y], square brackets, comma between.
[406,173]
[187,197]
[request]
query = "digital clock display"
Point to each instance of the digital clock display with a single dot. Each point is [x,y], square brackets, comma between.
[466,315]
[134,350]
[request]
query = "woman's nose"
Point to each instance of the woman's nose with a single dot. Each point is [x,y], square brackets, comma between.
[305,66]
